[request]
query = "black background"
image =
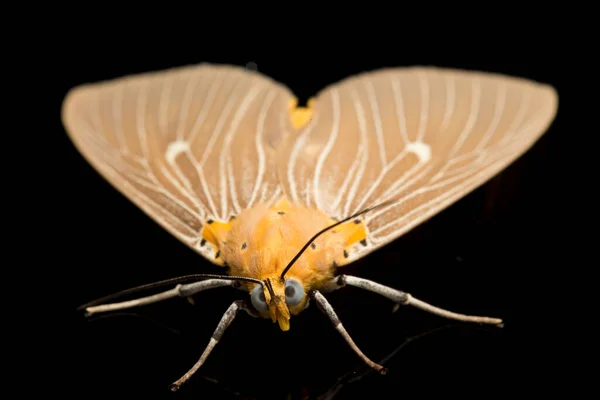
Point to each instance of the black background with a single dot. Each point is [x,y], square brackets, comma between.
[488,254]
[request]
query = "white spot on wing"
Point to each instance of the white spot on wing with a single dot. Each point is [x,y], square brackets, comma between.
[421,150]
[174,149]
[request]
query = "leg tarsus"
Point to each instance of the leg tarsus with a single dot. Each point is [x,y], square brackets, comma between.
[226,320]
[328,310]
[452,315]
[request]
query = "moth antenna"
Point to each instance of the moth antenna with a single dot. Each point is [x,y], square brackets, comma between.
[297,256]
[166,282]
[269,286]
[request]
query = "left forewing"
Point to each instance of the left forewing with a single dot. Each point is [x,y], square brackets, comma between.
[423,137]
[186,145]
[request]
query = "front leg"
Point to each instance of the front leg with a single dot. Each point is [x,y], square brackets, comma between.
[328,310]
[226,320]
[403,298]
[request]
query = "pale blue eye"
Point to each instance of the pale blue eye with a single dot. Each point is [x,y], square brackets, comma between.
[294,292]
[257,296]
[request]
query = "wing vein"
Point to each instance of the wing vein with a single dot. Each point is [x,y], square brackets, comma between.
[363,151]
[498,110]
[448,196]
[298,145]
[523,109]
[450,87]
[376,121]
[225,156]
[206,105]
[473,114]
[375,185]
[186,104]
[335,128]
[400,186]
[424,110]
[142,101]
[117,104]
[399,102]
[258,142]
[163,105]
[205,188]
[182,190]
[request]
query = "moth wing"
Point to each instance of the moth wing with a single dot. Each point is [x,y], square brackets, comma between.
[424,137]
[186,145]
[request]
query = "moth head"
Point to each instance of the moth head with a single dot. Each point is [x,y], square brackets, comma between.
[279,299]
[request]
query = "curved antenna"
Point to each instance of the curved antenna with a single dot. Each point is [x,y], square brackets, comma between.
[297,256]
[269,286]
[171,281]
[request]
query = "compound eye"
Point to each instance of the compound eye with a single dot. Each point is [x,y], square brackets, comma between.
[257,296]
[294,292]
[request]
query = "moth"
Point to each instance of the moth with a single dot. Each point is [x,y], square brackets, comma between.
[283,197]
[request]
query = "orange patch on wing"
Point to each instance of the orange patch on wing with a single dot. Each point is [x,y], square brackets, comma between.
[215,233]
[300,116]
[353,233]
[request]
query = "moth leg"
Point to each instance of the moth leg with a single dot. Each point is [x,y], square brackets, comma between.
[327,309]
[226,320]
[403,298]
[178,291]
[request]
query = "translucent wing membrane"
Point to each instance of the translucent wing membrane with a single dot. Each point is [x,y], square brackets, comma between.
[423,136]
[186,145]
[202,143]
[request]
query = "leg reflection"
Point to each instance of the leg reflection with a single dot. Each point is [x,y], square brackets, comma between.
[352,377]
[226,320]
